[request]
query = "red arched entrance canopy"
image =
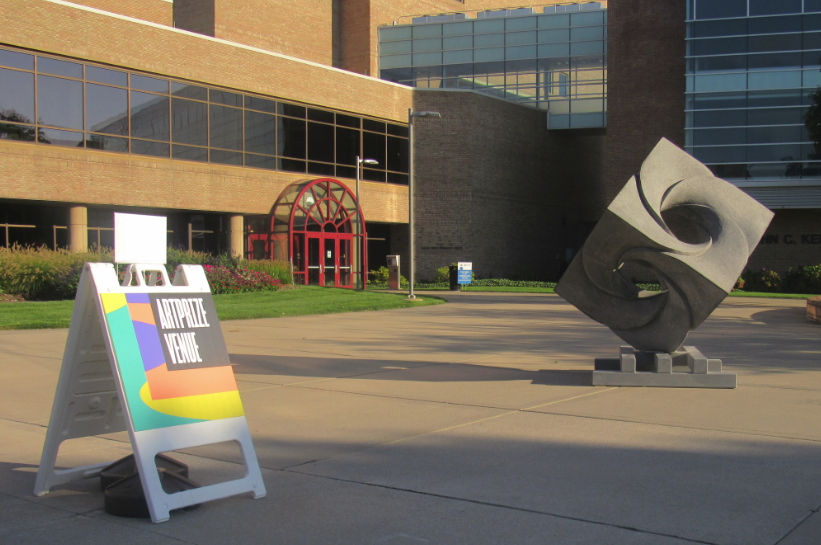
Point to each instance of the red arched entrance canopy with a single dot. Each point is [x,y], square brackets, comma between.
[314,226]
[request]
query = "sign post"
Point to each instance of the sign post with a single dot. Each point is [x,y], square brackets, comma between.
[148,356]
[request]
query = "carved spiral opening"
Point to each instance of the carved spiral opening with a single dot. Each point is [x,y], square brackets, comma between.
[687,223]
[640,275]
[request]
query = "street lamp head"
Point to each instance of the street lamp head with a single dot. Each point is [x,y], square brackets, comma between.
[369,161]
[426,114]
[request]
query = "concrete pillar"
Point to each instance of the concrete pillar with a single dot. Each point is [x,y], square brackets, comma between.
[236,235]
[78,229]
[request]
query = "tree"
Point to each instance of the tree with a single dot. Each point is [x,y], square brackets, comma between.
[18,132]
[812,120]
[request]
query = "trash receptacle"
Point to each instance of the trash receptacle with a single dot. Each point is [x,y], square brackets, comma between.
[453,276]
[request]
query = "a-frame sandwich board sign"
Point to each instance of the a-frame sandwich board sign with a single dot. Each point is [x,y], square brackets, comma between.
[150,359]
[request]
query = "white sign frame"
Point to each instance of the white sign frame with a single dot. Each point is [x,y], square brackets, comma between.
[90,397]
[140,239]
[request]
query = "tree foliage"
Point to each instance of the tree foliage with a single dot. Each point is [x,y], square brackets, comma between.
[812,119]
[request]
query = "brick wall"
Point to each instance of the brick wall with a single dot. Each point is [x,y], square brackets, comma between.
[302,29]
[195,16]
[306,30]
[356,36]
[336,31]
[645,83]
[156,11]
[44,173]
[75,32]
[494,187]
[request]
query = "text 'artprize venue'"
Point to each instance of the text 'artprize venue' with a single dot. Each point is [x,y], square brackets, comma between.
[242,122]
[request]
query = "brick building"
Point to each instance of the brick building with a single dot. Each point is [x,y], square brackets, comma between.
[210,112]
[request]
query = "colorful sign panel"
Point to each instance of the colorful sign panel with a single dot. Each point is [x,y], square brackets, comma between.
[172,358]
[464,272]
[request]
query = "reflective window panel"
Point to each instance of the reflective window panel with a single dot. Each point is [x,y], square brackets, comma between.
[751,65]
[78,105]
[499,56]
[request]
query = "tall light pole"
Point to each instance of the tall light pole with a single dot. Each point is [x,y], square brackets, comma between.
[360,284]
[411,115]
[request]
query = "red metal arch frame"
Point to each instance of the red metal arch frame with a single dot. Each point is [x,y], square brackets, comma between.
[321,233]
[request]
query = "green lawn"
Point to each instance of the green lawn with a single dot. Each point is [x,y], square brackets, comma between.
[311,300]
[35,315]
[243,306]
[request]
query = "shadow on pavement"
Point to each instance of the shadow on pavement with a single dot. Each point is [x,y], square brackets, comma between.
[297,366]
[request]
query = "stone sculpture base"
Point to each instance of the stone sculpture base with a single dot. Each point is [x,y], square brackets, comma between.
[686,368]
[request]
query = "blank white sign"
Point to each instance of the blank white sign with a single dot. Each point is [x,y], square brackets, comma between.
[140,239]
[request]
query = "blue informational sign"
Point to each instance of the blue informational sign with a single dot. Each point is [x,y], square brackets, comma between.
[464,272]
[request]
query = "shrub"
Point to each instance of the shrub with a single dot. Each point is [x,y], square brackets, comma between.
[648,287]
[277,268]
[739,285]
[179,256]
[803,280]
[763,280]
[381,276]
[442,275]
[45,274]
[513,283]
[239,280]
[42,273]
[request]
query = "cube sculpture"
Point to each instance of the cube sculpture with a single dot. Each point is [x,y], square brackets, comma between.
[722,225]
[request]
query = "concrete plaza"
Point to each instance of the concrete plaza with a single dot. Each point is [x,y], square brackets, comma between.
[472,422]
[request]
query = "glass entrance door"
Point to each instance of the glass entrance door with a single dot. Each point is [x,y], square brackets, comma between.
[330,261]
[314,261]
[345,270]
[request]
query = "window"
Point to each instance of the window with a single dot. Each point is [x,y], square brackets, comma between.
[51,101]
[108,109]
[487,54]
[747,82]
[60,102]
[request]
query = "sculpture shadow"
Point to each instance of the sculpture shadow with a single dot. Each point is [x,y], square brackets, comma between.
[794,317]
[303,367]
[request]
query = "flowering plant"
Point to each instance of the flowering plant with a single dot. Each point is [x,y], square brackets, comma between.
[239,280]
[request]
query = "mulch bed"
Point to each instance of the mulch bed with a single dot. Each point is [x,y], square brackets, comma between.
[6,298]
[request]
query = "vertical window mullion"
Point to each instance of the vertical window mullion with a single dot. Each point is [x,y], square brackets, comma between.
[36,110]
[128,108]
[170,124]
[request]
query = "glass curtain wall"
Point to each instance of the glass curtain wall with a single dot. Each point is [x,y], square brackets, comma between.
[51,101]
[751,65]
[555,60]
